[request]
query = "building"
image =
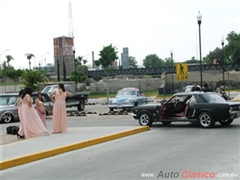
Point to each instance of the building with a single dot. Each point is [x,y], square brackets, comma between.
[63,56]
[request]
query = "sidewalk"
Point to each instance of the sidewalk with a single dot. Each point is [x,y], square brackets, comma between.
[29,150]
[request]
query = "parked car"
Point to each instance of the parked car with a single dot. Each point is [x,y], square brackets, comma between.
[9,110]
[79,99]
[127,98]
[204,108]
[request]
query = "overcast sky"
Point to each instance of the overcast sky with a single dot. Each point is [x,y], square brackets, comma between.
[144,26]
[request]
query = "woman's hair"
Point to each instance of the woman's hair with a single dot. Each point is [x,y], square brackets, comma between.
[39,93]
[62,87]
[27,90]
[20,93]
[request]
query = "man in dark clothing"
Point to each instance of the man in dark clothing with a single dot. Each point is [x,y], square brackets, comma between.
[206,89]
[195,87]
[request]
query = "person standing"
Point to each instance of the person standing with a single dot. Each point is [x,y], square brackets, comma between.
[19,105]
[206,88]
[59,117]
[40,108]
[31,123]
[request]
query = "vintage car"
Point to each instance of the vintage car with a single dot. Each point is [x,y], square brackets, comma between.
[9,110]
[196,107]
[126,99]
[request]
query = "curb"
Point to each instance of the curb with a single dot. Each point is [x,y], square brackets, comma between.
[52,152]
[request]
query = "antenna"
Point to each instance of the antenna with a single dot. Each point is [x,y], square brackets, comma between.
[70,22]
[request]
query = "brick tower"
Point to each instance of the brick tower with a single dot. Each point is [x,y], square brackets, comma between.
[63,55]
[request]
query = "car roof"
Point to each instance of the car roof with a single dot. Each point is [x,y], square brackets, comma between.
[193,93]
[130,88]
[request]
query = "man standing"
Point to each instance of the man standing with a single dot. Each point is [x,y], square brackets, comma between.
[206,89]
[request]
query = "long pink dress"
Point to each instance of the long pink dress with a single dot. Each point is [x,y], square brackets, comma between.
[19,104]
[59,113]
[31,123]
[42,116]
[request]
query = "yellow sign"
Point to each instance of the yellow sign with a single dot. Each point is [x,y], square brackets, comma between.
[182,71]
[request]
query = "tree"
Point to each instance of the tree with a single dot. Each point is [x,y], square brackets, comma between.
[14,75]
[132,62]
[232,49]
[29,57]
[153,60]
[81,68]
[168,62]
[216,54]
[80,77]
[107,56]
[193,60]
[33,78]
[9,58]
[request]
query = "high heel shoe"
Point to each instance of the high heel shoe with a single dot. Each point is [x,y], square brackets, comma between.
[20,137]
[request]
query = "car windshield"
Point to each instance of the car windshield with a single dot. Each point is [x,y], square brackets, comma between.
[126,93]
[213,98]
[46,89]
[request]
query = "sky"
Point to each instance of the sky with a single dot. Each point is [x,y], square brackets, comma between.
[144,26]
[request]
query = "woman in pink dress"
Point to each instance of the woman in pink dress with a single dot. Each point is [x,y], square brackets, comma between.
[31,123]
[19,104]
[40,108]
[59,109]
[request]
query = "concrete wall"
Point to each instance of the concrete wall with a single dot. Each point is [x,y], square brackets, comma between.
[214,79]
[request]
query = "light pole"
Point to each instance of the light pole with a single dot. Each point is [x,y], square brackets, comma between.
[199,20]
[171,52]
[1,60]
[74,50]
[42,57]
[222,41]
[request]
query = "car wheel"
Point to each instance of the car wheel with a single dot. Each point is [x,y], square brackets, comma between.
[81,105]
[145,119]
[7,118]
[166,122]
[226,122]
[206,120]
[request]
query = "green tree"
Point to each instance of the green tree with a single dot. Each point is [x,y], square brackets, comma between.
[81,68]
[33,77]
[216,54]
[193,60]
[97,78]
[80,77]
[9,58]
[168,62]
[153,60]
[232,49]
[29,57]
[14,75]
[132,62]
[107,56]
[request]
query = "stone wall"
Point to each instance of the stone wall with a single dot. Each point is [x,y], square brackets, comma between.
[214,79]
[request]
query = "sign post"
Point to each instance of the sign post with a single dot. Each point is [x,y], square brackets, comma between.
[182,72]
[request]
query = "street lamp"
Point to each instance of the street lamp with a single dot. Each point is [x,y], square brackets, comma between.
[42,57]
[222,41]
[171,52]
[199,20]
[1,60]
[74,50]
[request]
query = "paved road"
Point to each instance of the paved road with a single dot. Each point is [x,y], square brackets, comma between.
[179,150]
